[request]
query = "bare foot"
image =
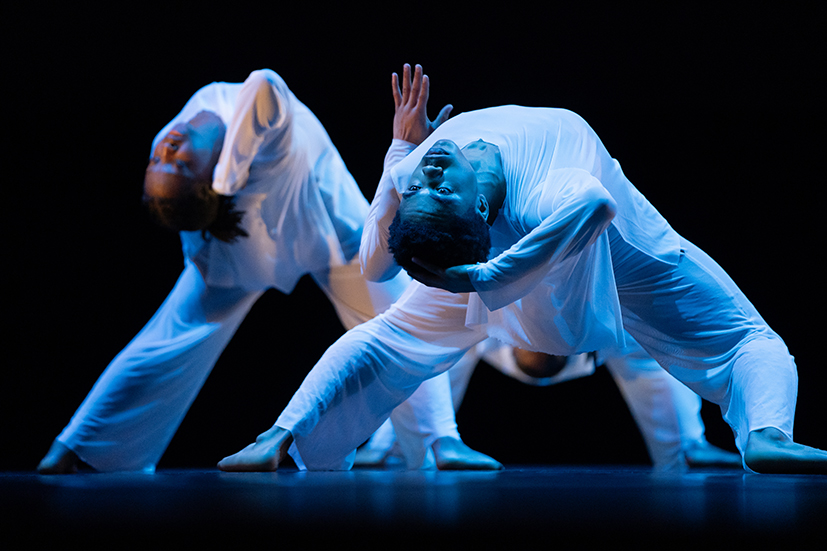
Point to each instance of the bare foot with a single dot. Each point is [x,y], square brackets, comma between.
[59,460]
[770,451]
[367,458]
[706,455]
[453,455]
[269,449]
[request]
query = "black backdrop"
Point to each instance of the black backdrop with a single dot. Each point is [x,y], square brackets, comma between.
[715,114]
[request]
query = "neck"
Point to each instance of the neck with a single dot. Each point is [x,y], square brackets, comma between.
[487,163]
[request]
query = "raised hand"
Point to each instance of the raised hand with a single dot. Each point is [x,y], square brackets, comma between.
[410,119]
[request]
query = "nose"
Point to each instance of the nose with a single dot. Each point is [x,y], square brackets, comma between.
[432,172]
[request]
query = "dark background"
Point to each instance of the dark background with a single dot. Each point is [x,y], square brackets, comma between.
[716,115]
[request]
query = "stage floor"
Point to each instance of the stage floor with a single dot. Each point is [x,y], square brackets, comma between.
[401,510]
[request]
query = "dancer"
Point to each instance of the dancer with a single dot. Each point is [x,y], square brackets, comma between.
[260,196]
[580,256]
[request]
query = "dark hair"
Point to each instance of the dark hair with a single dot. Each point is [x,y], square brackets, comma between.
[454,240]
[203,209]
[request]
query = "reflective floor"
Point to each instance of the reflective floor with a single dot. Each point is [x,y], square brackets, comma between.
[378,509]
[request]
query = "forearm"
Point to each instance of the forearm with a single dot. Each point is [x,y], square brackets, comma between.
[377,261]
[262,112]
[567,231]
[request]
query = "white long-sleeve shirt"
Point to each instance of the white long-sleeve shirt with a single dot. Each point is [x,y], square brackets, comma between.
[549,284]
[303,210]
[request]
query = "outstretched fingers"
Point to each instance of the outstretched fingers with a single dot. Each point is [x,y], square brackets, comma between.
[401,95]
[419,88]
[406,83]
[410,98]
[413,90]
[397,93]
[422,99]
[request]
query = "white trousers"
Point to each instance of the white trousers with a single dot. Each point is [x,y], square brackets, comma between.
[129,417]
[691,318]
[667,412]
[698,325]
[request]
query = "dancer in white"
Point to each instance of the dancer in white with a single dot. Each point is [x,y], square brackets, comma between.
[581,257]
[262,196]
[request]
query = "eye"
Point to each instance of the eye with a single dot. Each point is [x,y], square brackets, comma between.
[413,187]
[444,190]
[180,164]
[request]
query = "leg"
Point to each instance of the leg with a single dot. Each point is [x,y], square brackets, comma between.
[132,412]
[427,415]
[413,426]
[380,450]
[370,371]
[649,398]
[424,417]
[699,453]
[667,413]
[426,422]
[355,299]
[699,326]
[347,395]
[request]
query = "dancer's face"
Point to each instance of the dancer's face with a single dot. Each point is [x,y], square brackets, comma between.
[444,181]
[185,157]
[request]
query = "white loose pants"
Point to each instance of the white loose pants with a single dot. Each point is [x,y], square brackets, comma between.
[129,417]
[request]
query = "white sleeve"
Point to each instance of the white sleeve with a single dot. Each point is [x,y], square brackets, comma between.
[567,214]
[262,108]
[377,261]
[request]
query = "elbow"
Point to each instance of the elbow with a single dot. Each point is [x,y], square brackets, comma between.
[602,206]
[378,275]
[270,95]
[368,269]
[377,270]
[605,210]
[601,211]
[368,274]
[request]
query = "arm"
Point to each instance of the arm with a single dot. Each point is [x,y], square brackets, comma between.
[377,261]
[410,127]
[570,212]
[262,108]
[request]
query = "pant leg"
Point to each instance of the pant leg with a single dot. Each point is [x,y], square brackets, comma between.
[666,412]
[370,371]
[430,412]
[129,417]
[427,414]
[356,299]
[700,327]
